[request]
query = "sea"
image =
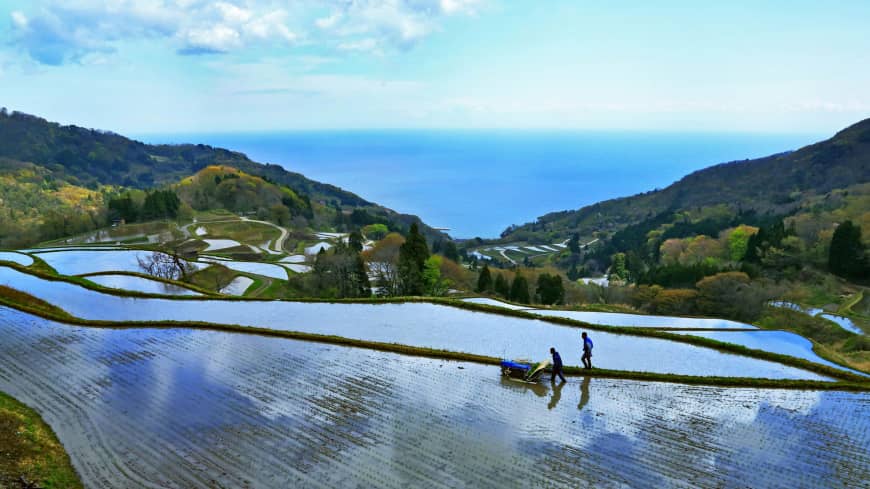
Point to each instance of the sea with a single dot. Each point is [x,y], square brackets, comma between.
[479,182]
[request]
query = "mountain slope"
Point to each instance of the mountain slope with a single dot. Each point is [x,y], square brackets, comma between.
[775,184]
[91,158]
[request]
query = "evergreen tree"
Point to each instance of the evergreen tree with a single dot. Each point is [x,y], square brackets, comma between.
[484,280]
[501,286]
[450,252]
[847,256]
[412,257]
[550,289]
[355,241]
[520,289]
[574,243]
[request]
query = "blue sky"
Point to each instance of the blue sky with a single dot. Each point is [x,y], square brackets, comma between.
[141,66]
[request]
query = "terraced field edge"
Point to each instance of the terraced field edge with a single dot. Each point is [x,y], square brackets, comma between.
[31,454]
[845,382]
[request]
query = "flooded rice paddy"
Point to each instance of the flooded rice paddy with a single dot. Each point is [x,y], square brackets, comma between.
[19,258]
[622,319]
[264,269]
[187,409]
[80,261]
[140,284]
[238,286]
[844,323]
[775,341]
[644,321]
[415,324]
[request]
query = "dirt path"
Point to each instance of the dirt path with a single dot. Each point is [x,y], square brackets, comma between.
[279,243]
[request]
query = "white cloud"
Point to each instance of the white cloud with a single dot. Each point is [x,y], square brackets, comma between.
[60,31]
[328,22]
[19,20]
[216,38]
[68,30]
[367,44]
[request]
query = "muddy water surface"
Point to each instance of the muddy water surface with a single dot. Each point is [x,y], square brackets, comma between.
[180,408]
[417,324]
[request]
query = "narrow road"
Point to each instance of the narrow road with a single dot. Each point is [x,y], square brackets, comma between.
[279,243]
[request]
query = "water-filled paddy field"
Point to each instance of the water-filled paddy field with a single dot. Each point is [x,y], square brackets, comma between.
[76,262]
[185,408]
[139,284]
[414,324]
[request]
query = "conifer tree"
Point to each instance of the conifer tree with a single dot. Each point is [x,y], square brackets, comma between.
[502,287]
[520,289]
[412,257]
[847,256]
[484,280]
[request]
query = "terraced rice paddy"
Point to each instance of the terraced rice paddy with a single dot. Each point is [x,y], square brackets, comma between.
[238,286]
[181,408]
[264,269]
[844,323]
[776,341]
[139,284]
[644,321]
[79,262]
[415,324]
[220,244]
[14,257]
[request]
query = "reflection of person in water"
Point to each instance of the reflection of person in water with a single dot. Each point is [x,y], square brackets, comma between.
[584,393]
[557,394]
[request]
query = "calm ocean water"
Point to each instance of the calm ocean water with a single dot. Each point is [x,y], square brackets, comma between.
[479,182]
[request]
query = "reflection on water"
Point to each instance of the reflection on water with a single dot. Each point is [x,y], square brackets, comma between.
[181,408]
[129,282]
[91,261]
[644,321]
[418,324]
[584,393]
[18,258]
[774,341]
[556,393]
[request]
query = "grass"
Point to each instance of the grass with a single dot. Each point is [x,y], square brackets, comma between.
[846,380]
[30,454]
[244,231]
[213,278]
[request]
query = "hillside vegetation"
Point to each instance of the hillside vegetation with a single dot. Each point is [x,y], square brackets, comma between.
[775,185]
[59,180]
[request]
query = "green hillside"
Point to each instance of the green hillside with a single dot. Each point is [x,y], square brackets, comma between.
[100,162]
[776,185]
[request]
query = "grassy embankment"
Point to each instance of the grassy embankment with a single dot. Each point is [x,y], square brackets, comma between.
[846,380]
[829,340]
[642,332]
[30,454]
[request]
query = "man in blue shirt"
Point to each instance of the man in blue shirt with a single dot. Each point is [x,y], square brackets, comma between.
[557,366]
[587,351]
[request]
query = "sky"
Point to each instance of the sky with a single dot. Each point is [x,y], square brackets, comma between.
[164,66]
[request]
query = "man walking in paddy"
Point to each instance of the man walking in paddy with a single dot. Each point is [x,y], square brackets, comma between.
[587,351]
[557,366]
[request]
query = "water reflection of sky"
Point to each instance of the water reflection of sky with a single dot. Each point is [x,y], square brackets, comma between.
[182,408]
[418,324]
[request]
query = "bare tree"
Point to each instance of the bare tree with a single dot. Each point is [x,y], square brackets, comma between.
[165,265]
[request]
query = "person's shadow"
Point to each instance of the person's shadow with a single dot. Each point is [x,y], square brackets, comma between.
[557,394]
[584,393]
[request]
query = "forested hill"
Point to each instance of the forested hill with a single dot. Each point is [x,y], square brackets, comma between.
[89,159]
[775,185]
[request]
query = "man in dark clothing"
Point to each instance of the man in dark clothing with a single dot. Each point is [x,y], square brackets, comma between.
[587,351]
[557,366]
